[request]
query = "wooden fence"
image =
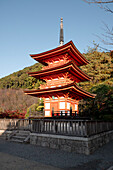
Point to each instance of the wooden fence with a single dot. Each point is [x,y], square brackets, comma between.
[13,124]
[72,127]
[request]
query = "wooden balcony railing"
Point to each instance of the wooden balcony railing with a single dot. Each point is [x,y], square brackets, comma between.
[64,114]
[82,128]
[54,64]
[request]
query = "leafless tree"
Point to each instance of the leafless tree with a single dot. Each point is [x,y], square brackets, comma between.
[107,37]
[12,99]
[102,4]
[98,2]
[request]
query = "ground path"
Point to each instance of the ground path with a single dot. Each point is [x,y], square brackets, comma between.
[15,156]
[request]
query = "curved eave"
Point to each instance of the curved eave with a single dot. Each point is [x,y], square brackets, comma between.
[71,89]
[68,67]
[66,48]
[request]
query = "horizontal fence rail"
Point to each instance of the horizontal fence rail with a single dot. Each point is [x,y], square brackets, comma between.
[71,127]
[13,124]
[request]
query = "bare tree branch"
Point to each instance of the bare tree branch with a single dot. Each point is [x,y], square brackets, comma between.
[107,29]
[107,36]
[101,4]
[98,2]
[108,9]
[102,48]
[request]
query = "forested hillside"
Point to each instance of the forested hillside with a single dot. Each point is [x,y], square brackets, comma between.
[100,69]
[20,79]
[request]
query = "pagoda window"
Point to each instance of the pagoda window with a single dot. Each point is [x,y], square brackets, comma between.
[47,105]
[56,97]
[62,78]
[59,85]
[46,87]
[62,105]
[47,113]
[49,80]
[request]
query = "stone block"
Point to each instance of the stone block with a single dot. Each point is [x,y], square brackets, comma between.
[45,144]
[66,148]
[54,146]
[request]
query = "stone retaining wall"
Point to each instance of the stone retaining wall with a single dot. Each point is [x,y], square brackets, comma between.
[82,145]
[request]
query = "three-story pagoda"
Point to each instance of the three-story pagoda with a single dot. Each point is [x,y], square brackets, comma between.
[61,73]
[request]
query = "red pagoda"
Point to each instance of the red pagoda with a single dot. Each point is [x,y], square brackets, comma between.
[61,73]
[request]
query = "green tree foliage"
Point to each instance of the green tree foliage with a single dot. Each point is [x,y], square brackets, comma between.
[100,69]
[20,79]
[35,109]
[102,106]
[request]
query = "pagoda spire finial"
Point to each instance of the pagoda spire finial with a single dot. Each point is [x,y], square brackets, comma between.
[61,33]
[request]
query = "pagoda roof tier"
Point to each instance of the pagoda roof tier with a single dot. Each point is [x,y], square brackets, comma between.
[72,90]
[68,48]
[69,67]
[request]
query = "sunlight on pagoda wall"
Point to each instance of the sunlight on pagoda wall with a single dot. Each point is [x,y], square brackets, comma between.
[62,105]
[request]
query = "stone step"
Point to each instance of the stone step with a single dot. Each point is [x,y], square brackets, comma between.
[18,137]
[24,132]
[23,135]
[16,140]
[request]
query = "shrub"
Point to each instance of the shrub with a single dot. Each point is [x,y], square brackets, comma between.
[12,114]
